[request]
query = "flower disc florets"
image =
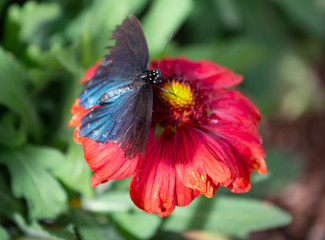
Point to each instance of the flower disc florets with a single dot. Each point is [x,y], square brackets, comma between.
[179,102]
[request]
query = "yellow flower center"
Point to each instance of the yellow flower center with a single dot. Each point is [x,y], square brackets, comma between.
[180,95]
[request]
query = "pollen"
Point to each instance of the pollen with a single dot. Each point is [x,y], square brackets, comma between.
[177,94]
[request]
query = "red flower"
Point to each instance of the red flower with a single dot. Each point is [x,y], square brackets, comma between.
[203,137]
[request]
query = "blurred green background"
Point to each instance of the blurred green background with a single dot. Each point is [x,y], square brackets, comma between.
[45,48]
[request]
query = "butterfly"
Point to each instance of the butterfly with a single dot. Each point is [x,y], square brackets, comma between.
[120,93]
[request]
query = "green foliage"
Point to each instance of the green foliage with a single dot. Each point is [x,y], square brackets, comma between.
[74,171]
[13,93]
[141,225]
[45,47]
[168,15]
[229,215]
[305,15]
[35,230]
[30,179]
[34,21]
[8,204]
[89,228]
[9,136]
[3,233]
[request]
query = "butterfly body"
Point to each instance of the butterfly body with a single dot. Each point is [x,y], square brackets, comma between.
[120,96]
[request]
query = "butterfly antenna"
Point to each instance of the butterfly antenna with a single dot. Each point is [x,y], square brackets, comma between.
[170,38]
[165,90]
[172,93]
[179,78]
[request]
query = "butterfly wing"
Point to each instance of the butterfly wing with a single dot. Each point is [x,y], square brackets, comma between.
[128,57]
[124,120]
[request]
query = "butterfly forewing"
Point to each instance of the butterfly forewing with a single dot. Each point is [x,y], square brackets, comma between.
[128,57]
[120,100]
[129,54]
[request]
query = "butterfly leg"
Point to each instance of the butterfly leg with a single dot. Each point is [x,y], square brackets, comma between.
[168,111]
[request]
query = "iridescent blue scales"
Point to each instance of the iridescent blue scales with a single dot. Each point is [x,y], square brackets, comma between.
[120,93]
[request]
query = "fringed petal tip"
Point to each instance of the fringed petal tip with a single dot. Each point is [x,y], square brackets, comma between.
[240,185]
[76,138]
[78,113]
[260,165]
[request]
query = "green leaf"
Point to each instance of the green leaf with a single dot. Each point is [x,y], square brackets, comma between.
[35,230]
[2,4]
[116,201]
[139,224]
[9,136]
[229,14]
[13,93]
[91,33]
[8,204]
[247,53]
[66,57]
[33,20]
[30,179]
[227,215]
[137,6]
[89,228]
[263,22]
[163,18]
[3,233]
[74,171]
[52,61]
[307,15]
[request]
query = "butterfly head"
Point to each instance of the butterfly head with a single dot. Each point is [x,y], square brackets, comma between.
[156,76]
[152,76]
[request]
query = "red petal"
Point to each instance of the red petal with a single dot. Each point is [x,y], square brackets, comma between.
[233,106]
[155,187]
[184,196]
[245,139]
[107,160]
[209,74]
[203,164]
[225,157]
[225,79]
[90,72]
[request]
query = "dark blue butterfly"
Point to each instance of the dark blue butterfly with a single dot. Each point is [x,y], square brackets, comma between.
[122,87]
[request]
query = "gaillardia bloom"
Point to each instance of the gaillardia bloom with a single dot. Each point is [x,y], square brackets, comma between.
[202,135]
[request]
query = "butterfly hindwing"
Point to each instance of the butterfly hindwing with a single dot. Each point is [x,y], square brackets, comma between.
[125,121]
